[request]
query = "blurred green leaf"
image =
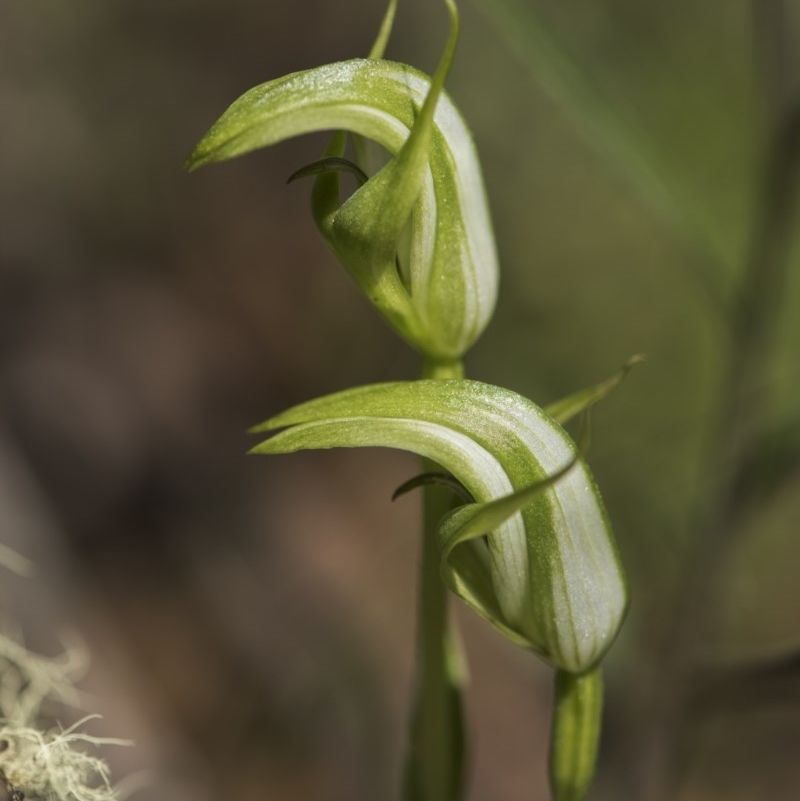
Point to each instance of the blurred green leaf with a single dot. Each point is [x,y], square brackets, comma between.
[610,128]
[772,463]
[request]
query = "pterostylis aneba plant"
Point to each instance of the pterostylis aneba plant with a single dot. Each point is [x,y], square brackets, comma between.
[514,523]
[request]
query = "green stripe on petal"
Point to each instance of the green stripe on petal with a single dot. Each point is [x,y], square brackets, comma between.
[548,574]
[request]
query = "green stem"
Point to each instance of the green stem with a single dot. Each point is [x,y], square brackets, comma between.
[435,764]
[575,735]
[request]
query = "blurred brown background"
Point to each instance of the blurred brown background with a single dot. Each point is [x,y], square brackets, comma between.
[251,620]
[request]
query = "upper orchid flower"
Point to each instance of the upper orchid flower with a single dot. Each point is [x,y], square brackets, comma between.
[415,236]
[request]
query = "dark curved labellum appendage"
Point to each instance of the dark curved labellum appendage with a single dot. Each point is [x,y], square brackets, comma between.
[330,164]
[440,479]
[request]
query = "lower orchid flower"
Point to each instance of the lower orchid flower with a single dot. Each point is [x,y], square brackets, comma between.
[534,553]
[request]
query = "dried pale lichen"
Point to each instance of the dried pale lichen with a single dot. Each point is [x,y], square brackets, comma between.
[27,680]
[46,765]
[51,766]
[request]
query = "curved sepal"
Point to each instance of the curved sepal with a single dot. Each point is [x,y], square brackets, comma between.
[547,573]
[578,402]
[427,203]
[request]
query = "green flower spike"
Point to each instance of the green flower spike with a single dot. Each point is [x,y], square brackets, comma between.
[534,554]
[416,237]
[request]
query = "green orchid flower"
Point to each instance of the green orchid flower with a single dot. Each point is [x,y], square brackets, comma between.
[534,553]
[416,236]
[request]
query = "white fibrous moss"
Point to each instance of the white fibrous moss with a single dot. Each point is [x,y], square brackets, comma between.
[36,763]
[27,680]
[52,766]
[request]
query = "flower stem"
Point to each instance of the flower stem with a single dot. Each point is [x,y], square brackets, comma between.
[575,734]
[434,770]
